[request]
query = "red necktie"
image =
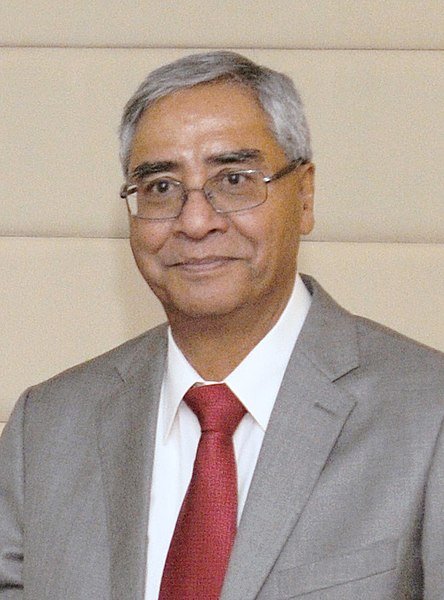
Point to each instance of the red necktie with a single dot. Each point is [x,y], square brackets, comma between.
[201,544]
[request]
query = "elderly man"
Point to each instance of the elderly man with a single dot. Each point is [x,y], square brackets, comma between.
[264,444]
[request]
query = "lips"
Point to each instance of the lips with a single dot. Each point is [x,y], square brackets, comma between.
[203,263]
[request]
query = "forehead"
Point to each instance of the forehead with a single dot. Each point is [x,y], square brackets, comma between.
[215,117]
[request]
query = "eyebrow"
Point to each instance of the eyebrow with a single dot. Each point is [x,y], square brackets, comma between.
[149,168]
[224,158]
[234,156]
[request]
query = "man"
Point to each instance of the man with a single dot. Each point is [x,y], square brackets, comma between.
[336,447]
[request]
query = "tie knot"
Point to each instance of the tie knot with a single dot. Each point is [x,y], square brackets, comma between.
[216,407]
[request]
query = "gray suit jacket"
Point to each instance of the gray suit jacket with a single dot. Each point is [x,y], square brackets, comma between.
[346,503]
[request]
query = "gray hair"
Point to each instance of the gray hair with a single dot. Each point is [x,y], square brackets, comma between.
[274,91]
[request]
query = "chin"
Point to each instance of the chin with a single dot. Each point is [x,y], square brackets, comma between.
[207,299]
[196,308]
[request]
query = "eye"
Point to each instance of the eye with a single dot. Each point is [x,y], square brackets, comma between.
[163,186]
[159,186]
[234,178]
[236,183]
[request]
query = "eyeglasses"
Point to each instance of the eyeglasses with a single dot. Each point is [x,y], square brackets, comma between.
[163,198]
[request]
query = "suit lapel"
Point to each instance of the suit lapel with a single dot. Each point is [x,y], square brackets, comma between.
[307,418]
[126,426]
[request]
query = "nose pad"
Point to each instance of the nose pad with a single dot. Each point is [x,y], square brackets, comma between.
[209,195]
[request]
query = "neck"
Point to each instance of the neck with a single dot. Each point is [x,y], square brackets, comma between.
[215,345]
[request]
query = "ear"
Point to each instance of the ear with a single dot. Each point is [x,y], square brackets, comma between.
[306,197]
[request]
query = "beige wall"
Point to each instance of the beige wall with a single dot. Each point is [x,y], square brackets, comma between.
[372,77]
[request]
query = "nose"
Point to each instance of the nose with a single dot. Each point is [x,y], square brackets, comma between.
[198,218]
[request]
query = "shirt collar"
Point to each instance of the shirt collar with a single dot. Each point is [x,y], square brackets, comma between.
[256,380]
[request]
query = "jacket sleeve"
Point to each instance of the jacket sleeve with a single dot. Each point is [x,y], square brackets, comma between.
[433,531]
[11,505]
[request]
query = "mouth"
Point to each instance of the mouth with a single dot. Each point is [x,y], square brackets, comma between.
[207,263]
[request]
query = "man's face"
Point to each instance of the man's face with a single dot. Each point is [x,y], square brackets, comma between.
[203,263]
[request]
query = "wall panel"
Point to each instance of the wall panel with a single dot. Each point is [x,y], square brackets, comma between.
[66,300]
[278,24]
[377,122]
[372,77]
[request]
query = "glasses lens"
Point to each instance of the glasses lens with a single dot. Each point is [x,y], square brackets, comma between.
[156,199]
[230,191]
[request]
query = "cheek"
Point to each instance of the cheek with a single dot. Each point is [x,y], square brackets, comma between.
[145,238]
[147,242]
[280,240]
[278,228]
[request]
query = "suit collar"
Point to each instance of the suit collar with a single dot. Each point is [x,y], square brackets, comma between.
[146,352]
[328,337]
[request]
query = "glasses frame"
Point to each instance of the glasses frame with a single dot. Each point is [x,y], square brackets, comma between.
[127,189]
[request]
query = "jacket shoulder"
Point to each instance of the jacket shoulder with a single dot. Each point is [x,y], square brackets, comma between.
[382,344]
[342,343]
[106,370]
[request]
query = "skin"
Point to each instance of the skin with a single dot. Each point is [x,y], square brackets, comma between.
[223,280]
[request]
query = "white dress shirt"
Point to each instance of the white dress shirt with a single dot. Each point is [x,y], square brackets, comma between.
[255,381]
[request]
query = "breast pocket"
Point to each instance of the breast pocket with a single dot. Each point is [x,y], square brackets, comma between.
[375,559]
